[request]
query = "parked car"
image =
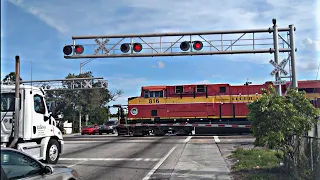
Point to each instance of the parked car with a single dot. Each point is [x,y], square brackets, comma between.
[106,129]
[92,129]
[19,165]
[113,123]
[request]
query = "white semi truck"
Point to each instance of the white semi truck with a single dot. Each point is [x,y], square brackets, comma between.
[37,133]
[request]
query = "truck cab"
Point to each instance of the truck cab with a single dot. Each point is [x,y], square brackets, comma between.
[38,134]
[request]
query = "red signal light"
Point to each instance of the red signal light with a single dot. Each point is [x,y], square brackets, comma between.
[67,50]
[78,49]
[137,47]
[185,46]
[197,45]
[125,47]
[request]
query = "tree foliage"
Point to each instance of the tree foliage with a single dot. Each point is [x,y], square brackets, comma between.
[277,121]
[91,102]
[11,77]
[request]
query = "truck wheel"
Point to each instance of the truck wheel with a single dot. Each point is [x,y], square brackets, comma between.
[52,154]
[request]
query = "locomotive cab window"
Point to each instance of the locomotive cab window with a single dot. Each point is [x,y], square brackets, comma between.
[146,94]
[179,89]
[156,94]
[223,89]
[201,89]
[154,112]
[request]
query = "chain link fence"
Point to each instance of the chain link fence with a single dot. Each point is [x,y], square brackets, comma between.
[306,163]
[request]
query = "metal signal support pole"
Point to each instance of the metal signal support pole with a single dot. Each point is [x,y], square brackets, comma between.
[293,56]
[276,54]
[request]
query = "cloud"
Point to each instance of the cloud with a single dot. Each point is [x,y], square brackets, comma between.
[312,44]
[126,82]
[160,64]
[42,14]
[204,82]
[66,16]
[308,65]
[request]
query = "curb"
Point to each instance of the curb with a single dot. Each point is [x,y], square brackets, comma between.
[70,135]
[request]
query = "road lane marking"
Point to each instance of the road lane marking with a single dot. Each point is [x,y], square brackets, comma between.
[109,159]
[187,139]
[158,164]
[81,142]
[76,164]
[216,139]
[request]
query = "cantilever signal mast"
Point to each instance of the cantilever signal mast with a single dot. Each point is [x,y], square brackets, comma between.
[190,44]
[67,84]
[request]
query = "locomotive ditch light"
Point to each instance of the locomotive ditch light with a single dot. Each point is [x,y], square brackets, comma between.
[125,47]
[78,49]
[67,50]
[197,45]
[185,46]
[137,47]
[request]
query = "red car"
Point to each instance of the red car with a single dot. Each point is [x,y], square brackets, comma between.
[90,130]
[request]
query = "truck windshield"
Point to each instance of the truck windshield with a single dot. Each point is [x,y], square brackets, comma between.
[7,102]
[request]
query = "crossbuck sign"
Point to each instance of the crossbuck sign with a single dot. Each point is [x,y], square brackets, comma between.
[279,67]
[102,46]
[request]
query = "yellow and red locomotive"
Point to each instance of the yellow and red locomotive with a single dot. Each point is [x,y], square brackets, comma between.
[182,107]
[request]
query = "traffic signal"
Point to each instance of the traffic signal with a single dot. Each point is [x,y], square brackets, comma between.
[197,45]
[67,50]
[137,47]
[125,47]
[185,46]
[78,49]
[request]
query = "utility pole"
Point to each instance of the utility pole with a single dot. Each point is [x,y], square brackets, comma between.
[17,104]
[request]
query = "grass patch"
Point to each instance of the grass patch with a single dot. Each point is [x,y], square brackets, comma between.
[257,164]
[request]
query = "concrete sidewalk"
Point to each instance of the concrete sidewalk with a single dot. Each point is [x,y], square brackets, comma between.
[195,160]
[201,160]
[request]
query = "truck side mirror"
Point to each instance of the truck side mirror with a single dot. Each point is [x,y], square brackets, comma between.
[46,118]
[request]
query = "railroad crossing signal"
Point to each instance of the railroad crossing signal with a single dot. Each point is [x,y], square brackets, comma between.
[279,81]
[68,49]
[70,84]
[78,49]
[125,47]
[102,46]
[185,46]
[207,45]
[197,45]
[279,67]
[140,44]
[137,47]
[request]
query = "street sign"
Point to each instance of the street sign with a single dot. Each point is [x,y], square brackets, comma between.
[279,82]
[279,67]
[102,46]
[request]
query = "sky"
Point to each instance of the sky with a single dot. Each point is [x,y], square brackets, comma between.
[37,30]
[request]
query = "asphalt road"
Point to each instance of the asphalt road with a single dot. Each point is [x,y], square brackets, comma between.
[103,157]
